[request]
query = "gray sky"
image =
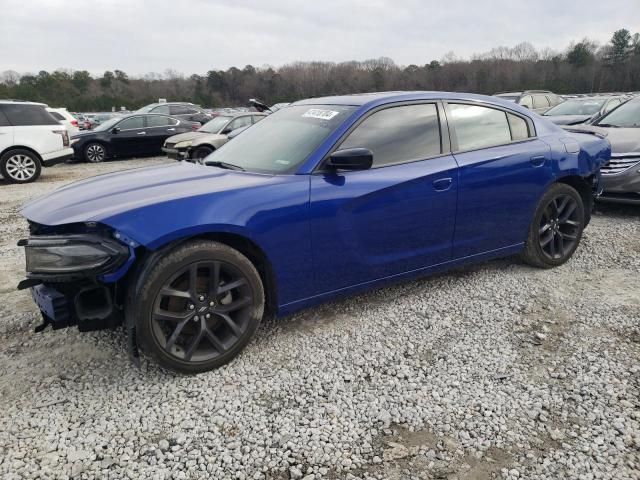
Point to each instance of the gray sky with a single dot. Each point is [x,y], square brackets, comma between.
[193,36]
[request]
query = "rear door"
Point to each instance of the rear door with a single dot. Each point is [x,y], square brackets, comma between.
[504,170]
[540,103]
[159,128]
[396,217]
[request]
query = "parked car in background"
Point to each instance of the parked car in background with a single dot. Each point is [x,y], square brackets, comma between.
[65,118]
[183,110]
[80,118]
[211,136]
[621,175]
[30,138]
[92,120]
[289,215]
[128,135]
[581,110]
[537,100]
[277,106]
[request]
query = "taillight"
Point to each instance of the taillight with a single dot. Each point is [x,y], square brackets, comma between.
[74,123]
[195,126]
[65,137]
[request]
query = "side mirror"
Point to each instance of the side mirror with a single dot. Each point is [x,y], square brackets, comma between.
[525,106]
[115,130]
[226,131]
[351,159]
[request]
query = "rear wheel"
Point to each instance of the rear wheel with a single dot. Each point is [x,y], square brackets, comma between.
[557,227]
[95,153]
[199,306]
[20,166]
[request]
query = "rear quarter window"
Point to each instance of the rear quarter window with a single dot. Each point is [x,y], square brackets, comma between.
[479,127]
[26,115]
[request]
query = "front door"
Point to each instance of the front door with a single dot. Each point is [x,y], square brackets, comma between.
[396,217]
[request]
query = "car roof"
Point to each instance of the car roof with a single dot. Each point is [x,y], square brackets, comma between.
[22,102]
[362,99]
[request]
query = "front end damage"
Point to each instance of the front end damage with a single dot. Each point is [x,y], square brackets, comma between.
[77,275]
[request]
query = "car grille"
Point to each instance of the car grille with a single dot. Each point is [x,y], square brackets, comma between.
[619,164]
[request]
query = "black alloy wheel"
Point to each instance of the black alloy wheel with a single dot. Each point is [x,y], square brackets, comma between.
[560,227]
[557,226]
[200,306]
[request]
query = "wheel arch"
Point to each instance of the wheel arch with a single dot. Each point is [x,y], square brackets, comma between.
[250,249]
[22,147]
[107,147]
[584,187]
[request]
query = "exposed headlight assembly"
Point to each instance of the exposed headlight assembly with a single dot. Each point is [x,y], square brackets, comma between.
[185,144]
[77,255]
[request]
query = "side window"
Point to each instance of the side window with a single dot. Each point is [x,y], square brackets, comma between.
[4,122]
[526,101]
[131,123]
[158,121]
[161,109]
[540,101]
[553,100]
[191,110]
[518,126]
[56,115]
[398,134]
[178,110]
[257,118]
[22,115]
[238,123]
[478,127]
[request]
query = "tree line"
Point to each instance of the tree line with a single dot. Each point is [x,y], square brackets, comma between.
[584,67]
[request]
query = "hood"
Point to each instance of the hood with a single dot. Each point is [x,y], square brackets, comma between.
[99,198]
[184,137]
[623,140]
[567,119]
[215,139]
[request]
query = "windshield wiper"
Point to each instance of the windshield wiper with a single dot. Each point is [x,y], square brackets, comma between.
[606,125]
[228,166]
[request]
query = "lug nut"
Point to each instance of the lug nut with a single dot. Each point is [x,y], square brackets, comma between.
[201,297]
[196,318]
[191,307]
[208,315]
[212,304]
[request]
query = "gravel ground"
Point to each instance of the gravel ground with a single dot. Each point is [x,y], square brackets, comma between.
[495,371]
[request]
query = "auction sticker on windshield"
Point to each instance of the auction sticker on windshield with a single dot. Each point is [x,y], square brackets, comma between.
[319,113]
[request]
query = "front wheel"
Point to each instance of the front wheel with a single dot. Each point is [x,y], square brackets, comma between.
[95,153]
[201,153]
[557,227]
[198,307]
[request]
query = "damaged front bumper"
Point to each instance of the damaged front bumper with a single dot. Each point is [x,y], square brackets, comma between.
[74,278]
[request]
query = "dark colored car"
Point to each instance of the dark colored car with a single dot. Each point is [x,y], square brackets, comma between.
[209,137]
[582,110]
[127,136]
[182,110]
[327,197]
[537,100]
[621,175]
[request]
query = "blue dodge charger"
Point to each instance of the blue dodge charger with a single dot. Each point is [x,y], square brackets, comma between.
[327,197]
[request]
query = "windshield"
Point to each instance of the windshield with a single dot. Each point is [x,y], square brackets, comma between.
[626,115]
[283,140]
[107,124]
[577,107]
[214,126]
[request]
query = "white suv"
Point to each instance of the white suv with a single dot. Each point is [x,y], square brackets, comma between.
[30,138]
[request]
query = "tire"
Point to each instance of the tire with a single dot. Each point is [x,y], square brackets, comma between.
[95,152]
[194,326]
[201,152]
[20,166]
[557,227]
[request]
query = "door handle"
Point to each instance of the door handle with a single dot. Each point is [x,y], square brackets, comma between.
[538,160]
[171,129]
[442,184]
[142,133]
